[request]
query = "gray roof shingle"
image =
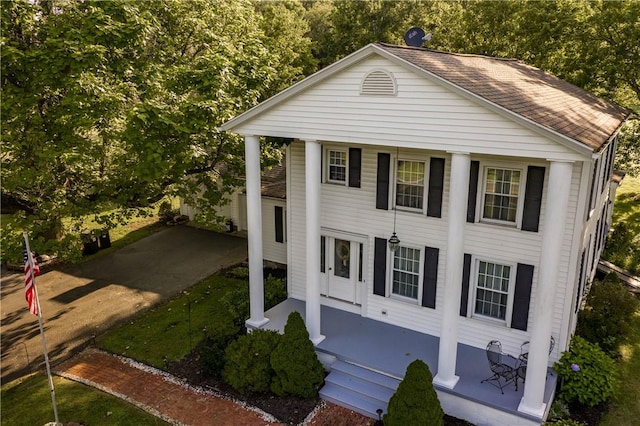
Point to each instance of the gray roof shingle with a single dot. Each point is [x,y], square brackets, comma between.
[524,90]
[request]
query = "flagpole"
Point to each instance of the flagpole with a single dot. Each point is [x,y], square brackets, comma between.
[44,340]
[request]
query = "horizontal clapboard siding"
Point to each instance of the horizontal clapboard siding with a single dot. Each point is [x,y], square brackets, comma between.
[422,115]
[353,210]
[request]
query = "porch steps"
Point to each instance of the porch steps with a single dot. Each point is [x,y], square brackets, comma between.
[358,388]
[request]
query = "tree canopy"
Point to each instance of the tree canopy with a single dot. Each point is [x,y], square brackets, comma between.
[115,104]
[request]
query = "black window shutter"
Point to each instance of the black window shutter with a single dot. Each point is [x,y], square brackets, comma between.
[533,198]
[580,285]
[473,191]
[380,267]
[436,183]
[593,191]
[382,187]
[430,277]
[355,161]
[522,297]
[466,274]
[279,224]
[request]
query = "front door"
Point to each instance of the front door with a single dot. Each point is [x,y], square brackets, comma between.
[341,267]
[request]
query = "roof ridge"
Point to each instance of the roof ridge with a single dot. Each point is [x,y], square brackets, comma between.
[476,55]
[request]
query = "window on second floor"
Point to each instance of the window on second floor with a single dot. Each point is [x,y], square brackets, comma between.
[410,181]
[337,172]
[501,194]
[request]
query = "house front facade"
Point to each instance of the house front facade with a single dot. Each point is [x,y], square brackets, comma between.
[494,177]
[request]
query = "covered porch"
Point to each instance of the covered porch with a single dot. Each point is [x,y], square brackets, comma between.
[389,349]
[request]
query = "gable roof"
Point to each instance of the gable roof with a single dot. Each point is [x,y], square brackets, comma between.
[525,92]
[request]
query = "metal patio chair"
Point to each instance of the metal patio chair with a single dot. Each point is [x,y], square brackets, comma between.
[503,366]
[524,350]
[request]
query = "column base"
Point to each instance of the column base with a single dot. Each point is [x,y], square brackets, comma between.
[254,324]
[532,411]
[316,341]
[446,383]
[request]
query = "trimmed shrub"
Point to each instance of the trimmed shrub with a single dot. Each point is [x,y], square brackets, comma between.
[605,320]
[214,346]
[415,401]
[565,422]
[587,374]
[247,365]
[295,363]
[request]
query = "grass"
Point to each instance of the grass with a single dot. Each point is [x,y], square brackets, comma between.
[168,332]
[27,401]
[627,205]
[625,405]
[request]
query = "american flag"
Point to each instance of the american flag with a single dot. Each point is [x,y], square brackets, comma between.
[30,280]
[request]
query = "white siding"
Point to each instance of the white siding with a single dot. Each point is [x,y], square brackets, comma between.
[271,250]
[353,210]
[423,115]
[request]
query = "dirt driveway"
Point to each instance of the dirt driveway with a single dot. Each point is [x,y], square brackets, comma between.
[81,301]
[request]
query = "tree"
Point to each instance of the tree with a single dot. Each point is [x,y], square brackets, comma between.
[115,104]
[415,402]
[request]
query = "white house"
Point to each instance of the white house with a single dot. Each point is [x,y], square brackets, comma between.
[494,176]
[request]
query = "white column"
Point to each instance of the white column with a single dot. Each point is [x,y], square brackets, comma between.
[555,214]
[254,231]
[457,213]
[313,153]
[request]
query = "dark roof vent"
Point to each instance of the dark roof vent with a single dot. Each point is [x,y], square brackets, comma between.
[379,82]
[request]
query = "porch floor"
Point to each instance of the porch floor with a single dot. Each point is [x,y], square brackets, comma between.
[390,349]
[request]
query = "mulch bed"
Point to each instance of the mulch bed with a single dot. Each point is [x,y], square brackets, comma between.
[290,410]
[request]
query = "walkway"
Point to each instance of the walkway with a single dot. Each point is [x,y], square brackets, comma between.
[175,401]
[158,392]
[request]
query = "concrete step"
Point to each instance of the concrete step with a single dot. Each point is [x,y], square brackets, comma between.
[358,388]
[353,401]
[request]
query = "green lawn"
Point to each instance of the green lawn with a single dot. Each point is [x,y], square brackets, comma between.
[27,401]
[625,406]
[627,205]
[169,331]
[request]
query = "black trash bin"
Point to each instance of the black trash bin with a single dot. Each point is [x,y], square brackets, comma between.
[229,224]
[104,239]
[90,243]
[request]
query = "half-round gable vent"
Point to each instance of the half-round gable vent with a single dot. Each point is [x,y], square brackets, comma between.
[378,82]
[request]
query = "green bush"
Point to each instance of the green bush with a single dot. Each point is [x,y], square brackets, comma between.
[622,248]
[605,319]
[214,346]
[247,365]
[237,300]
[565,422]
[587,374]
[295,363]
[415,402]
[275,291]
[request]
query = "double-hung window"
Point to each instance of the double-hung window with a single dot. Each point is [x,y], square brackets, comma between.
[410,181]
[492,290]
[337,171]
[406,272]
[502,189]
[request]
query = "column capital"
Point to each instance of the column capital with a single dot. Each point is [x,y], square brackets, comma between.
[458,153]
